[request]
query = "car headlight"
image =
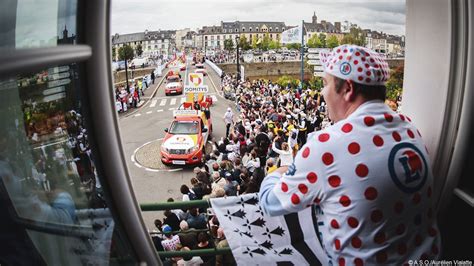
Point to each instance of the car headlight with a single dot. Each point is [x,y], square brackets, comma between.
[164,149]
[193,149]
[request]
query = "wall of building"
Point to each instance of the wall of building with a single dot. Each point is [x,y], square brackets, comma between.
[272,70]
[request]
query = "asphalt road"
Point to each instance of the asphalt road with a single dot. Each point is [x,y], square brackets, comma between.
[141,133]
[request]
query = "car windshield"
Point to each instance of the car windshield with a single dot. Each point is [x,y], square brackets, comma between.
[173,80]
[199,66]
[184,127]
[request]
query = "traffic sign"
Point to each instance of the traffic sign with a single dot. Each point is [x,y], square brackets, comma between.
[314,62]
[313,56]
[192,89]
[318,68]
[315,50]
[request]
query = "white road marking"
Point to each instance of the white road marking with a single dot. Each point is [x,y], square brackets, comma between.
[163,102]
[138,115]
[153,103]
[172,108]
[149,112]
[173,101]
[159,110]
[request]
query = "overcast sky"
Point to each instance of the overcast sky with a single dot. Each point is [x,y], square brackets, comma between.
[129,16]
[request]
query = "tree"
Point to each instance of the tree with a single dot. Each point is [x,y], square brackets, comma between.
[285,81]
[243,43]
[332,42]
[355,36]
[322,37]
[228,45]
[314,42]
[296,46]
[265,43]
[274,45]
[126,53]
[254,42]
[395,83]
[139,50]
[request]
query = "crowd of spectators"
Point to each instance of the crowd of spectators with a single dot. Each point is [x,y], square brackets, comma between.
[273,122]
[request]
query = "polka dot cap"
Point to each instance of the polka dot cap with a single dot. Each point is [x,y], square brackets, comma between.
[359,64]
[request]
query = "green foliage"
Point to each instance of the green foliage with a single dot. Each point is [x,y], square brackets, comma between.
[125,52]
[285,81]
[332,42]
[316,83]
[139,50]
[296,46]
[265,42]
[273,45]
[395,83]
[315,42]
[228,45]
[243,43]
[355,36]
[322,37]
[254,42]
[114,53]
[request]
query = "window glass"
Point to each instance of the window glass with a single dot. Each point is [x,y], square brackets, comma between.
[32,24]
[51,196]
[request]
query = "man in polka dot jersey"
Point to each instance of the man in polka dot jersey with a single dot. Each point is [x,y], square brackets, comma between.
[368,175]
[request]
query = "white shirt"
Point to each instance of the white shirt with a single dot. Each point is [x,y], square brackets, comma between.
[228,117]
[286,157]
[370,181]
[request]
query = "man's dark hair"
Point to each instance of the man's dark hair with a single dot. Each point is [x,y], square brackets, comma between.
[369,92]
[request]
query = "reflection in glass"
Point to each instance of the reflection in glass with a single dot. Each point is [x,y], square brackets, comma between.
[32,24]
[48,178]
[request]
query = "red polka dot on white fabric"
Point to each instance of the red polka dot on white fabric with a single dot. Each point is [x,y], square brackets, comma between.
[416,198]
[418,240]
[345,201]
[353,222]
[334,181]
[342,262]
[410,134]
[358,262]
[303,188]
[369,121]
[284,187]
[312,177]
[346,128]
[323,137]
[334,224]
[388,117]
[356,242]
[378,141]
[337,244]
[353,148]
[305,152]
[396,136]
[370,193]
[362,170]
[295,199]
[327,158]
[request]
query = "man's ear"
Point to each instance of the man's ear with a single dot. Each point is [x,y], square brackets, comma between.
[349,91]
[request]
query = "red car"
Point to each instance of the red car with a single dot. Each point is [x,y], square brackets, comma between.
[174,86]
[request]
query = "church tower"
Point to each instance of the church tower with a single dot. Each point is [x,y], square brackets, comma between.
[315,19]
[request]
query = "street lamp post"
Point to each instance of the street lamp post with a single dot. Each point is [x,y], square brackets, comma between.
[237,40]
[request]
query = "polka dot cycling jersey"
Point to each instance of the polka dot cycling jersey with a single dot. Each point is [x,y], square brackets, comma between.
[369,178]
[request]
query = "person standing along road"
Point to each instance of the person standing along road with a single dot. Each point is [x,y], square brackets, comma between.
[153,77]
[368,174]
[228,120]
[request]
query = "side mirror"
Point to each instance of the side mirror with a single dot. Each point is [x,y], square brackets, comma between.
[204,130]
[166,130]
